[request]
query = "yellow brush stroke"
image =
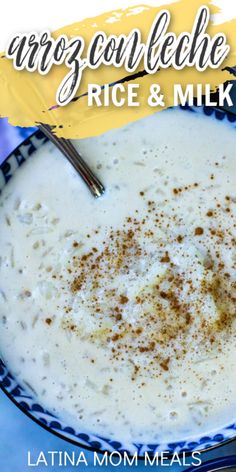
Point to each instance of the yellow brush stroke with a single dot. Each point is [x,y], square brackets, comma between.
[26,98]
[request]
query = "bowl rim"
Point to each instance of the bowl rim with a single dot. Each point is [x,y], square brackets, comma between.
[168,454]
[76,442]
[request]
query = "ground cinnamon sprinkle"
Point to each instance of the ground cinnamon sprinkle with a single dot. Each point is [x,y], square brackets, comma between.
[165,364]
[160,316]
[165,258]
[123,299]
[210,213]
[198,231]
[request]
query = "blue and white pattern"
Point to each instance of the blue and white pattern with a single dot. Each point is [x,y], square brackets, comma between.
[27,403]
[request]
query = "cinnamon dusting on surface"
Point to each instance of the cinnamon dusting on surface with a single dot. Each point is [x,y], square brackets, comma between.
[48,321]
[198,231]
[165,313]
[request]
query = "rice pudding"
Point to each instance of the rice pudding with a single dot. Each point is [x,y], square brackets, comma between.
[121,310]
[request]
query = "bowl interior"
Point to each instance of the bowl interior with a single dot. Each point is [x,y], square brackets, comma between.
[27,403]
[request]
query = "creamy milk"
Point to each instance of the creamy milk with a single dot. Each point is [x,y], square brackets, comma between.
[119,313]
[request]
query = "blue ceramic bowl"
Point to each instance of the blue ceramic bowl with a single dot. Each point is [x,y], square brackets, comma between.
[45,418]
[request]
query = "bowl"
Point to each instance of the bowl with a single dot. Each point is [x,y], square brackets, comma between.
[29,405]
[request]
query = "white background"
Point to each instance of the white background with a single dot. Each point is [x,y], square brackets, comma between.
[28,15]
